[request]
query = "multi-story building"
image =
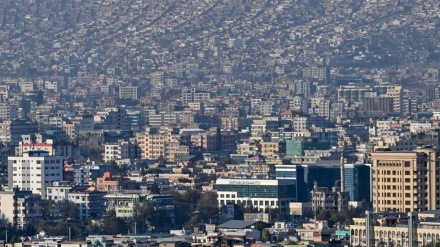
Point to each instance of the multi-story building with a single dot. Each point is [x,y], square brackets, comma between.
[118,151]
[396,93]
[152,142]
[90,203]
[114,184]
[260,193]
[299,103]
[194,96]
[70,129]
[378,104]
[320,73]
[12,130]
[162,119]
[395,230]
[34,171]
[8,111]
[20,207]
[123,204]
[357,181]
[58,191]
[323,198]
[157,79]
[406,181]
[128,92]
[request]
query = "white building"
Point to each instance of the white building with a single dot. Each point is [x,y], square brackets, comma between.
[58,191]
[260,193]
[34,171]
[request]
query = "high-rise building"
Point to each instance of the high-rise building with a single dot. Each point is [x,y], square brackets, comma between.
[406,181]
[357,181]
[34,171]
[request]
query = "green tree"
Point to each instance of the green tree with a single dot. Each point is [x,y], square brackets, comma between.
[265,236]
[185,204]
[155,188]
[112,225]
[161,220]
[432,245]
[69,210]
[207,207]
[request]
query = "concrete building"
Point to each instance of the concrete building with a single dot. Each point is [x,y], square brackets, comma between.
[58,191]
[128,92]
[19,207]
[118,151]
[90,203]
[261,193]
[7,111]
[12,130]
[406,181]
[323,198]
[395,230]
[34,171]
[152,142]
[123,204]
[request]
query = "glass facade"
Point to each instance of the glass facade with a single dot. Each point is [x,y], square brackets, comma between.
[357,182]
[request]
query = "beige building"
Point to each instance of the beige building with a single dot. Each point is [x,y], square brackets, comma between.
[389,232]
[406,181]
[153,142]
[19,207]
[269,149]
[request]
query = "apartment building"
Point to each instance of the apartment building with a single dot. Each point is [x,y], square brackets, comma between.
[90,203]
[12,130]
[34,171]
[152,142]
[128,92]
[406,181]
[20,207]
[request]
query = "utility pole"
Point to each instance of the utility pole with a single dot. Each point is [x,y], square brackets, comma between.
[70,234]
[6,237]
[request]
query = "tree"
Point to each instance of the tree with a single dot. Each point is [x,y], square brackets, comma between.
[155,188]
[207,207]
[185,204]
[432,245]
[161,220]
[112,225]
[69,210]
[265,236]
